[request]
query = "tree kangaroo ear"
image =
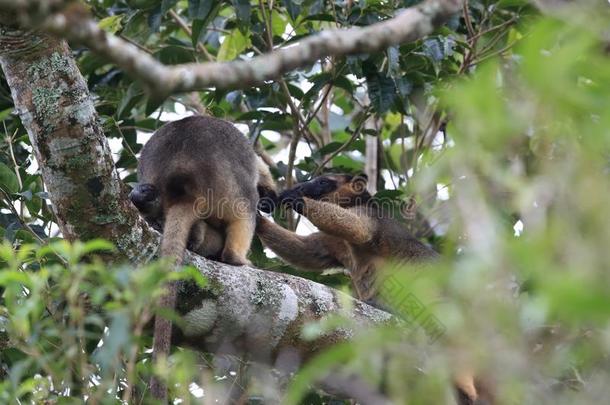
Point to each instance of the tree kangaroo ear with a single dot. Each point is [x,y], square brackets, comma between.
[358,183]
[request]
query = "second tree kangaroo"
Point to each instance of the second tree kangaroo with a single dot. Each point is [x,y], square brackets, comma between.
[354,233]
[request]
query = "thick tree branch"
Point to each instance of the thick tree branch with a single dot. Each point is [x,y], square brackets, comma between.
[242,308]
[73,23]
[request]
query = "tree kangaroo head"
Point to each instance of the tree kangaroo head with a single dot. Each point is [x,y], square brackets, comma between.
[344,190]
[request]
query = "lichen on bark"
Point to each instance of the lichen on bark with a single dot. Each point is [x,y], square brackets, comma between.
[56,108]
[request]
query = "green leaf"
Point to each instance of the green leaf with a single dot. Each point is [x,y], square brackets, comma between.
[190,273]
[234,44]
[4,114]
[382,92]
[329,148]
[8,179]
[278,23]
[98,245]
[393,61]
[115,340]
[343,83]
[111,24]
[339,353]
[8,277]
[199,9]
[293,7]
[345,162]
[321,17]
[199,25]
[243,9]
[167,4]
[152,104]
[197,29]
[130,99]
[174,55]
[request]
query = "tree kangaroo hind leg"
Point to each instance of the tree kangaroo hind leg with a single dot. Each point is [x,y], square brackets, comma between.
[239,234]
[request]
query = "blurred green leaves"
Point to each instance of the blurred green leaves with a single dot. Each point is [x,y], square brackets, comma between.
[70,319]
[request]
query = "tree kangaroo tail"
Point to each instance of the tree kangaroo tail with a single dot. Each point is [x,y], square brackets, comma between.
[179,220]
[180,217]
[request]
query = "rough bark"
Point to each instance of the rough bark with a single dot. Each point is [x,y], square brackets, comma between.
[55,106]
[74,24]
[242,307]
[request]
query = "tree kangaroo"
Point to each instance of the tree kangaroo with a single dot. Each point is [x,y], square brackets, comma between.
[198,176]
[204,239]
[354,233]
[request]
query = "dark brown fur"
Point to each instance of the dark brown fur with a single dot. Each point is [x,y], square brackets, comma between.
[354,233]
[203,177]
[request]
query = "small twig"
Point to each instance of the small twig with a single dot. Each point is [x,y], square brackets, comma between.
[301,126]
[137,128]
[200,47]
[317,109]
[491,55]
[296,137]
[7,200]
[134,43]
[467,19]
[291,158]
[124,139]
[488,46]
[342,147]
[10,140]
[495,27]
[216,29]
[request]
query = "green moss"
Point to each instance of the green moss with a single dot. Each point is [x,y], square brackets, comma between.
[45,99]
[105,219]
[214,287]
[45,105]
[77,162]
[191,296]
[108,213]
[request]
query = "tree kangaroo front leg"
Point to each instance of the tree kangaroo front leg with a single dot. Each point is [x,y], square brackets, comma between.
[305,252]
[337,221]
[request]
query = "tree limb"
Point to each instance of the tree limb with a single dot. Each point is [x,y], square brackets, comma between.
[74,24]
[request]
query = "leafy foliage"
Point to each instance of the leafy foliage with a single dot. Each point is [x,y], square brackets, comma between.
[495,128]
